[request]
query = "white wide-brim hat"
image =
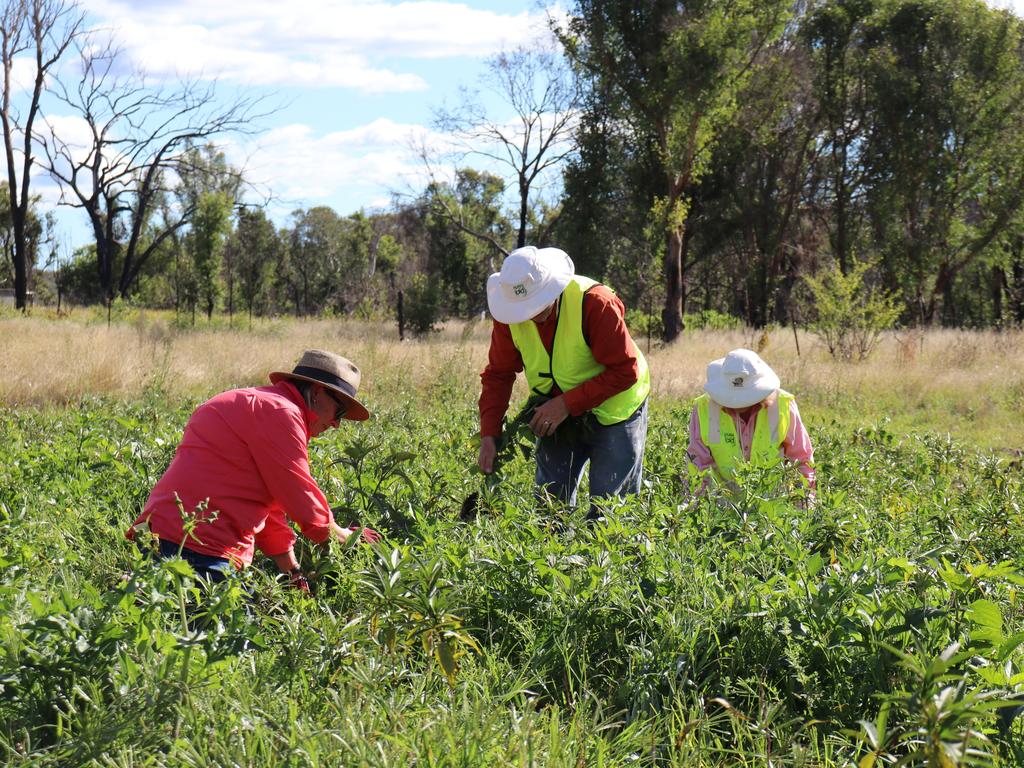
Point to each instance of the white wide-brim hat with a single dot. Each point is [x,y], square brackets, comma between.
[740,379]
[530,279]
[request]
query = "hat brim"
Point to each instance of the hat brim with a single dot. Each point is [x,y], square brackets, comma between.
[508,312]
[733,397]
[354,410]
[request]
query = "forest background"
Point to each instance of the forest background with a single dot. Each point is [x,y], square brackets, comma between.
[714,162]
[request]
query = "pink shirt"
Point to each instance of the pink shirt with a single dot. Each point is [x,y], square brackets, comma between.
[245,451]
[796,447]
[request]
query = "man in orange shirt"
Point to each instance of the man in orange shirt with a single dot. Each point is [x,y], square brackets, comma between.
[568,334]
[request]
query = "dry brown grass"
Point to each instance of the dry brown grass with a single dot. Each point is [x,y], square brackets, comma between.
[916,380]
[49,361]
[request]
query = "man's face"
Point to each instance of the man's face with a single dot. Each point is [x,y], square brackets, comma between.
[545,313]
[328,410]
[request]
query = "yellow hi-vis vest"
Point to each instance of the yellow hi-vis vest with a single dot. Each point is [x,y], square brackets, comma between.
[718,431]
[571,362]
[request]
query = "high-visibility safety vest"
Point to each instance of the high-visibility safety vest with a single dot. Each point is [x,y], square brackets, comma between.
[571,362]
[718,431]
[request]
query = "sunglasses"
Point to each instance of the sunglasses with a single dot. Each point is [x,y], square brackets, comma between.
[339,407]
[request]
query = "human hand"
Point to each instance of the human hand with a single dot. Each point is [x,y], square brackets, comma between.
[547,417]
[488,452]
[297,580]
[369,535]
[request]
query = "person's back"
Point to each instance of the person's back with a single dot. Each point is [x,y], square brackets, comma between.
[233,449]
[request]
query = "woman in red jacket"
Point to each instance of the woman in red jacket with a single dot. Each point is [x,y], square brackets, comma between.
[242,472]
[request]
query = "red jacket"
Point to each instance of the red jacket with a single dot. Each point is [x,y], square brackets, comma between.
[604,327]
[245,451]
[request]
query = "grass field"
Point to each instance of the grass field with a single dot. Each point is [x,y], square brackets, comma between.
[885,625]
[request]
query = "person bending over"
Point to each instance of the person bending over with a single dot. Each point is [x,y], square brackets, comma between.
[241,472]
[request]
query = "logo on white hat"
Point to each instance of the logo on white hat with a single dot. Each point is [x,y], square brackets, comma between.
[738,381]
[519,289]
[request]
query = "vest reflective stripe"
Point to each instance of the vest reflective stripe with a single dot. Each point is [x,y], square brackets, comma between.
[718,431]
[714,433]
[571,362]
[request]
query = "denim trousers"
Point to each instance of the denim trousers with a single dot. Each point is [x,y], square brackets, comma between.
[615,453]
[213,568]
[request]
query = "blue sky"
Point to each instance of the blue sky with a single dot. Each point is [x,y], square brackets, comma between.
[358,78]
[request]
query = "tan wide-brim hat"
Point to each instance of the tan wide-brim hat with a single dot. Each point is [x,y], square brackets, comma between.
[338,374]
[740,379]
[530,279]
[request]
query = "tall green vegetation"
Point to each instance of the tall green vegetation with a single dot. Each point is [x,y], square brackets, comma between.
[673,72]
[882,627]
[888,129]
[250,255]
[209,228]
[848,312]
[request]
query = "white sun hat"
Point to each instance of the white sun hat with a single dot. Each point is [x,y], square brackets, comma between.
[740,379]
[530,279]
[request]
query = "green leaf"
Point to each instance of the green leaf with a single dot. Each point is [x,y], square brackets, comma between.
[987,621]
[814,564]
[445,654]
[179,567]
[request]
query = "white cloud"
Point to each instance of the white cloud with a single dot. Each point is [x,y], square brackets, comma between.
[342,168]
[1017,6]
[348,43]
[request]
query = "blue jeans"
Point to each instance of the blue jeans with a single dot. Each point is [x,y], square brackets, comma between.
[212,568]
[615,453]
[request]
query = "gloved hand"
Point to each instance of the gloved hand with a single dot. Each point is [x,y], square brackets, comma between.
[297,580]
[369,535]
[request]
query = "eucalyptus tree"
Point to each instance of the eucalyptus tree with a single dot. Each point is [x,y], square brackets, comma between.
[835,35]
[249,256]
[757,230]
[462,263]
[312,263]
[138,139]
[211,223]
[525,139]
[673,69]
[945,147]
[41,31]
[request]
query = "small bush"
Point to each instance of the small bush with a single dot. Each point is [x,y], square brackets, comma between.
[710,320]
[422,305]
[849,314]
[641,323]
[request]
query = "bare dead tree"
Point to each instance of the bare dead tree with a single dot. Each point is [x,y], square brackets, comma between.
[44,30]
[138,138]
[539,88]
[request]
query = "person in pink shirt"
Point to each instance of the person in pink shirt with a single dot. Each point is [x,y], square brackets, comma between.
[744,416]
[241,472]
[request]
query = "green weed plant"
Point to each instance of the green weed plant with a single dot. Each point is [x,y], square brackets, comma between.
[882,627]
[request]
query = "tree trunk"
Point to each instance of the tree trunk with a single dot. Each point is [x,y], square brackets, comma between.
[997,281]
[401,317]
[20,268]
[524,191]
[672,313]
